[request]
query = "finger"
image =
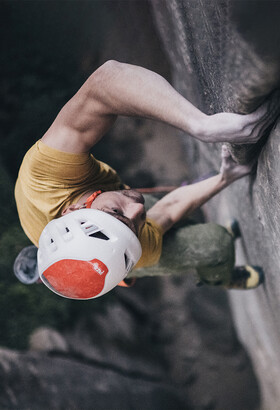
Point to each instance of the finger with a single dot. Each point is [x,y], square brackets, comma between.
[269,109]
[273,112]
[225,153]
[260,129]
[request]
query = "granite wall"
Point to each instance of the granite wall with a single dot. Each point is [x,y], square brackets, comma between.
[163,344]
[225,57]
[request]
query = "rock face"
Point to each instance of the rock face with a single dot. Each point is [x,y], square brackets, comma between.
[34,381]
[224,57]
[163,344]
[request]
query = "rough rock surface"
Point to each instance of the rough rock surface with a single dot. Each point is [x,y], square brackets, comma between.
[163,344]
[225,57]
[38,381]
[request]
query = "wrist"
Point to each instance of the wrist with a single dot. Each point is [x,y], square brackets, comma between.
[224,180]
[202,128]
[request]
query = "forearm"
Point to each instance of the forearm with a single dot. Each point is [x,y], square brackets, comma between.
[188,198]
[129,90]
[184,200]
[122,89]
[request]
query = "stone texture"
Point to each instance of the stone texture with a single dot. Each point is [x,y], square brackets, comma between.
[33,381]
[47,340]
[163,344]
[225,57]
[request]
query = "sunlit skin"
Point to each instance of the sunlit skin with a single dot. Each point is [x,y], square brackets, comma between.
[122,89]
[128,205]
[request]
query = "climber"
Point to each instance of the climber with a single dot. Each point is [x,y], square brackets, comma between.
[59,176]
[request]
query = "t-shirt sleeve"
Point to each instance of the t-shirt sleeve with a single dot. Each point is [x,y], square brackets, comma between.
[151,242]
[70,171]
[49,180]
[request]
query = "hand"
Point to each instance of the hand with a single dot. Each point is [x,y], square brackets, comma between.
[230,170]
[242,129]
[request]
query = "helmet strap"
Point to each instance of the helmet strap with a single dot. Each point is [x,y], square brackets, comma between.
[91,198]
[127,283]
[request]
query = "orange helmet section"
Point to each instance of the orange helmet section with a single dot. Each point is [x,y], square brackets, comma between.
[77,279]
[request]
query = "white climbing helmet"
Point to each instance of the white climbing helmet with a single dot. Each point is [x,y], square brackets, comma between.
[86,253]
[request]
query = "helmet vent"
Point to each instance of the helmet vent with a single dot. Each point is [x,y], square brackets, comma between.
[52,245]
[88,227]
[99,235]
[128,263]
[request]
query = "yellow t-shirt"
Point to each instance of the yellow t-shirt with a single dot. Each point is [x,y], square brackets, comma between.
[50,180]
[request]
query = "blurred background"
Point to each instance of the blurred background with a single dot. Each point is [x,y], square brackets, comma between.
[49,48]
[164,344]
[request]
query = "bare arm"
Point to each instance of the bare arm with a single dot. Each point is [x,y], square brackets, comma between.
[122,89]
[184,200]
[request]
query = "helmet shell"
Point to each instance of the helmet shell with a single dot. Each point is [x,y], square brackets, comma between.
[86,253]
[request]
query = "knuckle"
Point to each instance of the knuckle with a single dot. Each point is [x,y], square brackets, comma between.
[248,132]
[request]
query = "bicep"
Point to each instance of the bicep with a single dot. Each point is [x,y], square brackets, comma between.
[83,120]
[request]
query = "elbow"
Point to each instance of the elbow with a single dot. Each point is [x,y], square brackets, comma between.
[101,83]
[110,66]
[106,71]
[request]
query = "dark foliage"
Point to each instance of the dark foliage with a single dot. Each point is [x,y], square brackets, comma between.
[42,66]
